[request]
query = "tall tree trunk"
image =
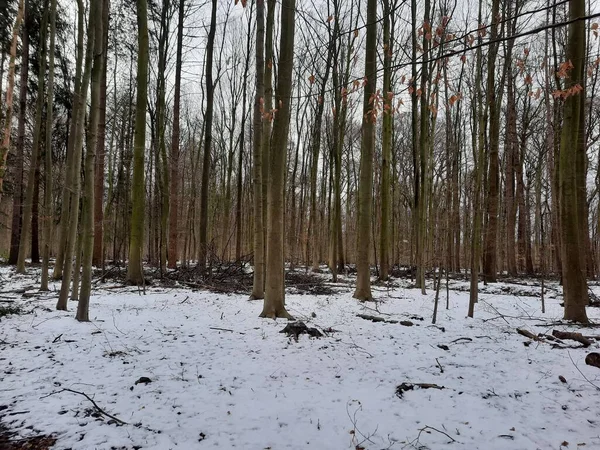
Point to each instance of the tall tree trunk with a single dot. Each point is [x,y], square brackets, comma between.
[72,241]
[575,289]
[274,302]
[98,258]
[208,123]
[511,155]
[365,188]
[5,146]
[258,284]
[135,273]
[478,155]
[174,180]
[30,197]
[71,156]
[162,160]
[17,213]
[493,100]
[386,145]
[48,217]
[242,140]
[424,148]
[87,236]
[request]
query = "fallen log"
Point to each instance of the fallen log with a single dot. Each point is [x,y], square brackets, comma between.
[578,337]
[528,334]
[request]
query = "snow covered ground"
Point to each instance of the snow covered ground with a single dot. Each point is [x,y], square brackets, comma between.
[254,388]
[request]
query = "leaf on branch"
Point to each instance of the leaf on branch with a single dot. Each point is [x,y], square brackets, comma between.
[528,79]
[453,99]
[563,69]
[311,79]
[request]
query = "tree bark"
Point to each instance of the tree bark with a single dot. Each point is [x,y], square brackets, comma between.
[274,302]
[87,237]
[575,289]
[208,123]
[134,268]
[48,217]
[258,284]
[98,258]
[174,180]
[27,230]
[5,146]
[363,243]
[17,213]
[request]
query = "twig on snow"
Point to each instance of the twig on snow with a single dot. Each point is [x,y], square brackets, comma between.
[439,365]
[225,329]
[100,410]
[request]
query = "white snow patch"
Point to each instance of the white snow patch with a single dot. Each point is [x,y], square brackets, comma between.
[254,388]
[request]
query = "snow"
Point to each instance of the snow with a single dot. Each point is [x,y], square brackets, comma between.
[255,388]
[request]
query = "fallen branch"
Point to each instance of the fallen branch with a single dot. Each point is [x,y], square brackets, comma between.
[100,410]
[528,334]
[371,318]
[225,329]
[402,388]
[466,339]
[572,336]
[427,427]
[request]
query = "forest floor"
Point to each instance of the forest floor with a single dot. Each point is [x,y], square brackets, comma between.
[180,369]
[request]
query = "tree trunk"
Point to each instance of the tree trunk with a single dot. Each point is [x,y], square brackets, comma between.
[5,146]
[98,258]
[208,121]
[135,273]
[386,146]
[575,289]
[493,100]
[258,284]
[48,217]
[17,212]
[363,243]
[174,180]
[71,156]
[274,302]
[87,237]
[27,231]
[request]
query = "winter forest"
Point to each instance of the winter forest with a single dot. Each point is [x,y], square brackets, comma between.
[411,187]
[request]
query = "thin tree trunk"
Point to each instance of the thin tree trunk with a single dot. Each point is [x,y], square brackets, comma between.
[258,284]
[98,258]
[17,213]
[134,268]
[5,147]
[30,197]
[72,244]
[71,156]
[386,145]
[48,210]
[208,123]
[174,180]
[365,200]
[87,237]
